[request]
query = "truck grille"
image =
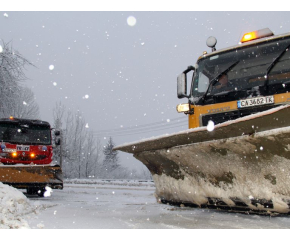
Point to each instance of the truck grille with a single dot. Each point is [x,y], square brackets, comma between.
[232,115]
[20,157]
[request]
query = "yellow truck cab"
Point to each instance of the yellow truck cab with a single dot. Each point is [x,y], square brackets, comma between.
[237,81]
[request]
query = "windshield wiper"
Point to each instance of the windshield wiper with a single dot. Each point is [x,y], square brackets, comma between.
[215,79]
[273,64]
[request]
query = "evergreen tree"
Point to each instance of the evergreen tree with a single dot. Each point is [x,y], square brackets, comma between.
[111,160]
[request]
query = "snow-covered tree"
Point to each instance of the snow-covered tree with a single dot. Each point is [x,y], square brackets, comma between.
[111,159]
[58,115]
[73,143]
[15,99]
[25,105]
[82,153]
[80,150]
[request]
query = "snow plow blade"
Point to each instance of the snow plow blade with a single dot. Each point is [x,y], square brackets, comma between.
[32,177]
[242,164]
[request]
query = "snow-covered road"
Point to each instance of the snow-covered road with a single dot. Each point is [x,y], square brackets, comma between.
[131,206]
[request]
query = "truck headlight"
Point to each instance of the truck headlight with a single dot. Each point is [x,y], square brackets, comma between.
[182,107]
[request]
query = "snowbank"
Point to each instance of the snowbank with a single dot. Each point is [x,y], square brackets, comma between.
[13,206]
[132,183]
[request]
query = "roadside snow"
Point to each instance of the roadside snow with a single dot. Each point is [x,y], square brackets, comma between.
[115,204]
[13,207]
[112,182]
[127,206]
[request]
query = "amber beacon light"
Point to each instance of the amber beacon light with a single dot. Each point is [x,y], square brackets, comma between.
[266,32]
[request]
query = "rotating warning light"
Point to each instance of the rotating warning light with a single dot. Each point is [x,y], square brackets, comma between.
[32,155]
[266,32]
[14,154]
[249,36]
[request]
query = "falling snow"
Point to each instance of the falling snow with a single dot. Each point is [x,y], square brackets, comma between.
[210,126]
[131,21]
[136,78]
[47,192]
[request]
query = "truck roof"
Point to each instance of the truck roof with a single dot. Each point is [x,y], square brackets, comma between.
[241,45]
[24,121]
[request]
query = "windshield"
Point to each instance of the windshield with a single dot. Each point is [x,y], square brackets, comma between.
[25,134]
[245,69]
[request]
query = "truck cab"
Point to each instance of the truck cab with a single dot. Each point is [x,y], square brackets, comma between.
[230,83]
[25,141]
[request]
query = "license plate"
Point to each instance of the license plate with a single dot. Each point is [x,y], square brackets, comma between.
[22,148]
[256,101]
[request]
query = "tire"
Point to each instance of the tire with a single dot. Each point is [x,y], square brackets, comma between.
[41,192]
[31,191]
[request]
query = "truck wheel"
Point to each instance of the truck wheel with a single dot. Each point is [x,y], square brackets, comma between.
[41,192]
[31,191]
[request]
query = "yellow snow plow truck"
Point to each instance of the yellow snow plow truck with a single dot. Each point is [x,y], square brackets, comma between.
[236,152]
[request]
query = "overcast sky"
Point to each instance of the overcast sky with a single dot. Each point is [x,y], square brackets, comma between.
[117,72]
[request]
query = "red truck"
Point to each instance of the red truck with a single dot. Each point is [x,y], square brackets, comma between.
[26,154]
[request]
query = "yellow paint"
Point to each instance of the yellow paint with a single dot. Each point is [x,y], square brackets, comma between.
[194,119]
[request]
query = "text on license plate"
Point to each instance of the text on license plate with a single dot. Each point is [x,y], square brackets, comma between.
[22,148]
[256,101]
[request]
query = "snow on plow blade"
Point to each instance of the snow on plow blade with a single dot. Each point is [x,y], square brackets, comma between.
[35,176]
[242,164]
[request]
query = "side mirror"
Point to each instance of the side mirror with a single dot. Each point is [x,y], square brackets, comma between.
[181,86]
[182,83]
[56,132]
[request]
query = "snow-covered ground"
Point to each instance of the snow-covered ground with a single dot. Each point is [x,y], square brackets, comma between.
[116,205]
[13,208]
